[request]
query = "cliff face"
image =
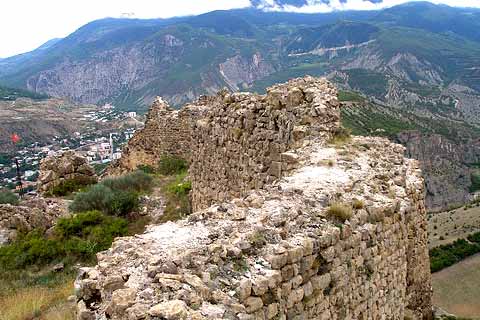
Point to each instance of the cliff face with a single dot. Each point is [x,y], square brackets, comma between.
[265,241]
[446,166]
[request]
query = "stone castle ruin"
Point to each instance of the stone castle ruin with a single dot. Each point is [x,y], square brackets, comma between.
[286,225]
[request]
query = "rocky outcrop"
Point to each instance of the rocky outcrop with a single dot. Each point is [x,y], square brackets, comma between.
[447,167]
[30,214]
[240,72]
[62,168]
[280,250]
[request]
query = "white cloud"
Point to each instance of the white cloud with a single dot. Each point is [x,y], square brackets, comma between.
[26,24]
[315,6]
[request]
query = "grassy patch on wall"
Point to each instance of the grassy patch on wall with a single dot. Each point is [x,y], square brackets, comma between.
[177,193]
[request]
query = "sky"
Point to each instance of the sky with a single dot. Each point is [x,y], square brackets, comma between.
[27,24]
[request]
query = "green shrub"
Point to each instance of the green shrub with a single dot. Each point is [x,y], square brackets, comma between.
[8,197]
[68,186]
[137,181]
[76,238]
[178,204]
[446,255]
[170,165]
[146,168]
[103,198]
[29,249]
[179,187]
[122,203]
[340,211]
[97,197]
[474,237]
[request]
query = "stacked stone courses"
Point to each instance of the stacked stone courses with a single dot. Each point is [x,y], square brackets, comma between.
[262,242]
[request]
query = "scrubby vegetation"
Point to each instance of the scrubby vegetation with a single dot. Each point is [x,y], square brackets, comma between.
[178,203]
[114,196]
[170,165]
[77,238]
[475,179]
[8,197]
[446,255]
[100,213]
[341,136]
[69,186]
[340,211]
[39,302]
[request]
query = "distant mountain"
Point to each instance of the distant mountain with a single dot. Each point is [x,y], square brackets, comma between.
[416,59]
[404,52]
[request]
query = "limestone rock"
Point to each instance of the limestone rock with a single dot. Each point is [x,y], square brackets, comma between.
[67,166]
[170,310]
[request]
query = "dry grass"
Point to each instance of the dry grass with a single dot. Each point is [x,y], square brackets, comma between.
[38,303]
[340,137]
[340,210]
[358,204]
[456,289]
[446,227]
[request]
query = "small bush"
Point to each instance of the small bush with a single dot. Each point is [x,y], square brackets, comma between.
[114,196]
[340,211]
[137,181]
[122,203]
[180,188]
[358,204]
[170,165]
[8,197]
[146,168]
[102,198]
[96,197]
[178,203]
[77,238]
[68,186]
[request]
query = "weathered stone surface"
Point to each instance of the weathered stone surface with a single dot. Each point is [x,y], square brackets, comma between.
[30,214]
[170,310]
[64,167]
[286,258]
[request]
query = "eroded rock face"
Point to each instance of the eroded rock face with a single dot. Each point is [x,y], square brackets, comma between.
[277,251]
[31,214]
[447,167]
[68,166]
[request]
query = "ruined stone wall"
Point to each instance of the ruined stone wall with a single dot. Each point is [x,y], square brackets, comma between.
[279,250]
[166,132]
[236,142]
[242,142]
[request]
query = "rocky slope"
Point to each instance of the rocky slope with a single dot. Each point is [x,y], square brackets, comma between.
[447,150]
[39,120]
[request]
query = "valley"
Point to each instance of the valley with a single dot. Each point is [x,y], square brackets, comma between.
[226,128]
